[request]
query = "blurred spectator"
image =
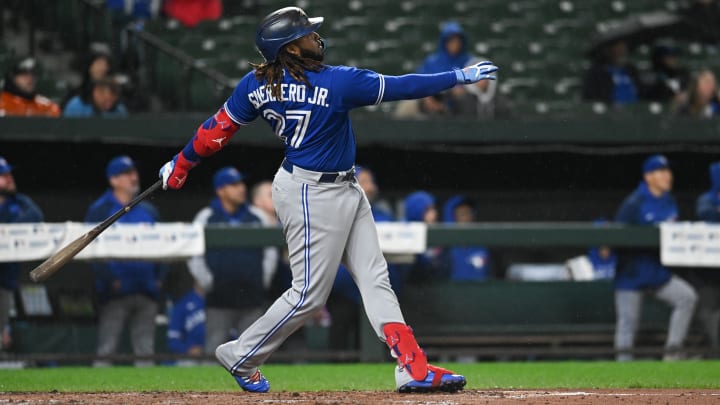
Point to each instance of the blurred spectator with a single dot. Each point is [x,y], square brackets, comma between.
[186,327]
[603,261]
[424,108]
[344,301]
[19,96]
[103,102]
[420,207]
[192,12]
[702,99]
[451,53]
[707,281]
[602,258]
[640,272]
[126,290]
[669,79]
[98,66]
[134,9]
[611,78]
[261,205]
[704,19]
[467,263]
[14,208]
[232,277]
[481,100]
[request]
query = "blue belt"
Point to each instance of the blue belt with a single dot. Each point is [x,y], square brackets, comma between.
[325,177]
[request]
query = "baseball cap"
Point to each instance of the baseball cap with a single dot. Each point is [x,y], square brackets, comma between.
[4,166]
[655,162]
[227,175]
[119,164]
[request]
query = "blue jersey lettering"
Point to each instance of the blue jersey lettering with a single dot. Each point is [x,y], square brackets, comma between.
[312,121]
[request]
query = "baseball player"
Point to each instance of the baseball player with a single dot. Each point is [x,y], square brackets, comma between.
[325,215]
[640,272]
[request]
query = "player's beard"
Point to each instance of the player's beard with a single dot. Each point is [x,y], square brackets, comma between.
[313,55]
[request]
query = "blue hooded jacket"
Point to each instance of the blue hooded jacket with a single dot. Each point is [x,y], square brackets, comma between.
[186,327]
[431,264]
[641,269]
[135,277]
[708,204]
[16,209]
[466,262]
[440,60]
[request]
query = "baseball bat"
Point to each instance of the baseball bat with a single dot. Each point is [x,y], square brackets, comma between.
[64,255]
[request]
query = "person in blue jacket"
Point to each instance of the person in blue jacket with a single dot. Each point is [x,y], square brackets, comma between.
[467,263]
[452,51]
[186,328]
[431,265]
[344,302]
[602,258]
[232,278]
[14,208]
[640,271]
[708,280]
[127,291]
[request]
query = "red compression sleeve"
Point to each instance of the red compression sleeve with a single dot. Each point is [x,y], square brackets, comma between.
[211,136]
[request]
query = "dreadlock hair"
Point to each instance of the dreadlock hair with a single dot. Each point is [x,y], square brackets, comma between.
[272,72]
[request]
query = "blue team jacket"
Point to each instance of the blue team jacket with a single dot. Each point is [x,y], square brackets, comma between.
[640,269]
[467,263]
[187,323]
[237,273]
[16,209]
[136,277]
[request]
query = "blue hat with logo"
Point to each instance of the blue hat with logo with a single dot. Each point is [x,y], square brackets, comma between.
[655,162]
[227,175]
[4,166]
[118,165]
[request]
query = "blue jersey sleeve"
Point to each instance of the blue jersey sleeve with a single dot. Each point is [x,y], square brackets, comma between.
[360,87]
[238,106]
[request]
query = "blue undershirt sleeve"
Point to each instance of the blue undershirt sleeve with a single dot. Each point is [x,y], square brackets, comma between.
[360,87]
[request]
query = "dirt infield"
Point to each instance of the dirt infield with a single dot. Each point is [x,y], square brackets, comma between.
[502,397]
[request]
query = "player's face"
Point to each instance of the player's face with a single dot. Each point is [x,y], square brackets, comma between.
[430,216]
[263,197]
[234,194]
[367,183]
[311,46]
[127,182]
[464,214]
[7,184]
[661,179]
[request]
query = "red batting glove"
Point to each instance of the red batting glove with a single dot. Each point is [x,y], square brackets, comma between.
[175,172]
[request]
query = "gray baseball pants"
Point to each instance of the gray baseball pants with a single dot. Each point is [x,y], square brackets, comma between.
[139,311]
[677,293]
[324,224]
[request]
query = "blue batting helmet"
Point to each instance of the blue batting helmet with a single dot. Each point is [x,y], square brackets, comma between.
[282,27]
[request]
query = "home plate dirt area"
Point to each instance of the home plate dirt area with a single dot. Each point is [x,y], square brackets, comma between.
[539,397]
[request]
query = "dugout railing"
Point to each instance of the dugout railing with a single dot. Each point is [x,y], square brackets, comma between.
[499,319]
